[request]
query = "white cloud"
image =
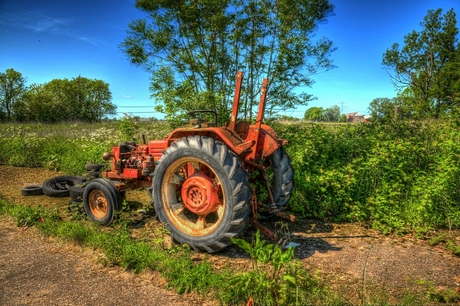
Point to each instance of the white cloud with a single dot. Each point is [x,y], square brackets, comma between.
[36,22]
[126,96]
[48,24]
[90,40]
[41,23]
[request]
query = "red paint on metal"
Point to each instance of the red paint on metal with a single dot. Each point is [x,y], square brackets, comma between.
[132,173]
[257,127]
[236,101]
[156,148]
[200,194]
[132,165]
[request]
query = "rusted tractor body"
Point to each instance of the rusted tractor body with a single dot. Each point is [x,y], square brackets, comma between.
[207,182]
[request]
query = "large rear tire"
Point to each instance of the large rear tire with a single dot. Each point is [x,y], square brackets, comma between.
[201,192]
[280,177]
[282,181]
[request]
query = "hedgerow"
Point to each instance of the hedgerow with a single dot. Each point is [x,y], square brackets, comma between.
[400,176]
[394,177]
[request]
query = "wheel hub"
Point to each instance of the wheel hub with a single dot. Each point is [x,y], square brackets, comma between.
[98,204]
[200,194]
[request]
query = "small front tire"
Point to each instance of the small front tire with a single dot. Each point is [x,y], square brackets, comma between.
[100,201]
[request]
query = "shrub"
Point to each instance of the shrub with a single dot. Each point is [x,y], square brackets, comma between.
[399,176]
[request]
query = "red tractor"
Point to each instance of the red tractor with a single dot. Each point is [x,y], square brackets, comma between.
[207,182]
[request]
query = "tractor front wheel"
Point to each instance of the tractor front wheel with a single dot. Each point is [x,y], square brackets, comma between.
[100,201]
[201,192]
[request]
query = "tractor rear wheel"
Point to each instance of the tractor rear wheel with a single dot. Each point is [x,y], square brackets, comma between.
[282,181]
[201,192]
[280,177]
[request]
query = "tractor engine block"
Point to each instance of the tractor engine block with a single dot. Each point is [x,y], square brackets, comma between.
[130,160]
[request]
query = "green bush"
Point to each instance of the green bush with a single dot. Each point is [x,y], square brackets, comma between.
[400,176]
[68,147]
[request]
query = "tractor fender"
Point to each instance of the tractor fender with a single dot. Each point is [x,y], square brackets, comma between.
[268,141]
[229,137]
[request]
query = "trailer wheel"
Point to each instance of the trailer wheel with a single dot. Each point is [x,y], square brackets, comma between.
[201,192]
[100,201]
[281,180]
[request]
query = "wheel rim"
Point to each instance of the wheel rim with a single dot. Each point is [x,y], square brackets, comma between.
[98,204]
[192,196]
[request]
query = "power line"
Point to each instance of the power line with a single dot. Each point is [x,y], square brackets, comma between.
[139,112]
[295,111]
[342,106]
[125,106]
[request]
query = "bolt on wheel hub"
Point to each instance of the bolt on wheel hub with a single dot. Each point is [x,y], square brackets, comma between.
[200,194]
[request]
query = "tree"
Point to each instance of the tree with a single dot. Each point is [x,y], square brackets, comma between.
[80,99]
[314,113]
[453,99]
[193,48]
[382,109]
[12,86]
[385,109]
[332,114]
[426,64]
[84,99]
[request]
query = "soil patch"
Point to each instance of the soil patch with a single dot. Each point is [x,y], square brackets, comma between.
[34,271]
[38,271]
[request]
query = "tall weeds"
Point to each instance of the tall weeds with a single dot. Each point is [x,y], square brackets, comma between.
[395,177]
[402,176]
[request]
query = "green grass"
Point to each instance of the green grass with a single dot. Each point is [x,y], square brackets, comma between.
[400,177]
[175,264]
[274,278]
[397,177]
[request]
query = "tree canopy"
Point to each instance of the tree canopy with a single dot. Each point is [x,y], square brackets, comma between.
[79,99]
[12,86]
[426,69]
[316,113]
[385,109]
[193,49]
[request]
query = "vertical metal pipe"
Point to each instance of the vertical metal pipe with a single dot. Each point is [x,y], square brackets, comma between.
[236,100]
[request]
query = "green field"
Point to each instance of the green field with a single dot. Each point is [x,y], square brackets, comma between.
[398,177]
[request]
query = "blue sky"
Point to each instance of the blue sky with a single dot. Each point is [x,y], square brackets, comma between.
[45,40]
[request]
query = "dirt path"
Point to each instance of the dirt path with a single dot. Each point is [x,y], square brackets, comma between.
[37,272]
[34,271]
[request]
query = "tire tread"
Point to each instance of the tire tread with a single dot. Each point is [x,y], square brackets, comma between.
[240,189]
